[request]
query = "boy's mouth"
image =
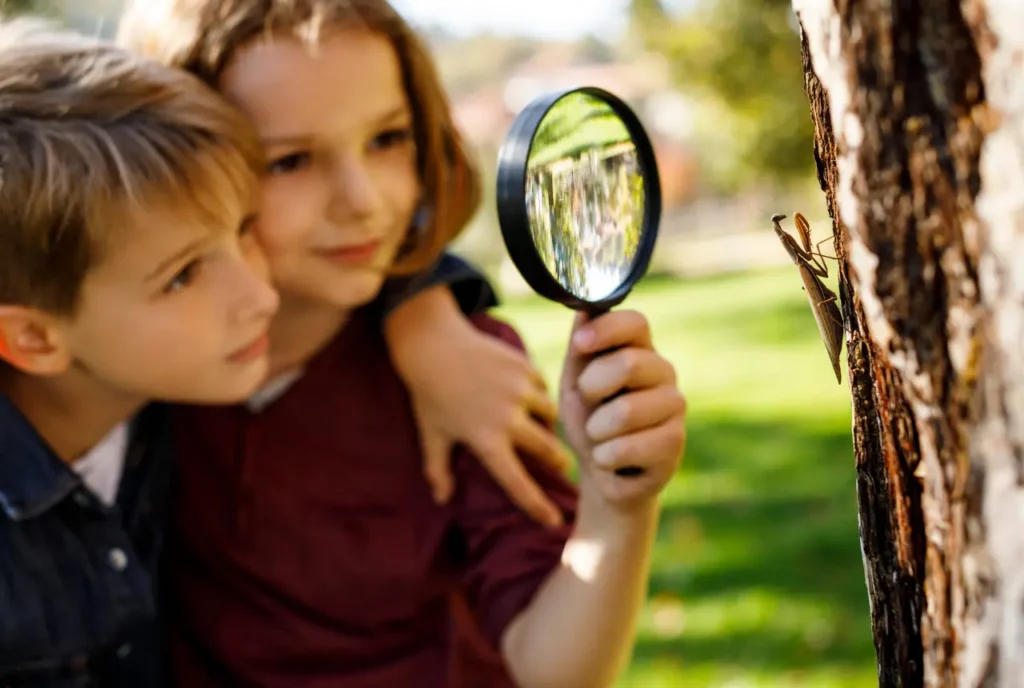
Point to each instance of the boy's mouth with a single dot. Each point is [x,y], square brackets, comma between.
[353,254]
[252,351]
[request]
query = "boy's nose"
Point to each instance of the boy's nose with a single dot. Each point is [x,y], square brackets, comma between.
[257,298]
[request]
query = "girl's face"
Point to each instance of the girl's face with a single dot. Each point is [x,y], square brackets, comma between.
[342,184]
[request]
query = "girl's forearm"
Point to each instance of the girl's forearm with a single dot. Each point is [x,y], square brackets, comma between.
[579,629]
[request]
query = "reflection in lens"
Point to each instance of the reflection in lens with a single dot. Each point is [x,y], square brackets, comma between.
[585,196]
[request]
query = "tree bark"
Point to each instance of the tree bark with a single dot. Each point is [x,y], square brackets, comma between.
[885,447]
[918,107]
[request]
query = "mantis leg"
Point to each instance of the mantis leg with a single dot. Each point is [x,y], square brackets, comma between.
[819,253]
[832,299]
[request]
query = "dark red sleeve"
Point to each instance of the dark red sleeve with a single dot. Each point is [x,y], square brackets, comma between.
[508,554]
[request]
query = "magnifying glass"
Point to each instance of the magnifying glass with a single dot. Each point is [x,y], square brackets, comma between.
[579,200]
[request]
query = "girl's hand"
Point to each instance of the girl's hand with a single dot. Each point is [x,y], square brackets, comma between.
[643,426]
[471,388]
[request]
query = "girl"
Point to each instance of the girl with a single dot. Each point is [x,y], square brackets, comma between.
[307,549]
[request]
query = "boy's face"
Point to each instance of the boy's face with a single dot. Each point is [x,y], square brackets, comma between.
[176,311]
[342,185]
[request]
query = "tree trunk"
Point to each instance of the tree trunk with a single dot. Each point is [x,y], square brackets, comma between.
[918,107]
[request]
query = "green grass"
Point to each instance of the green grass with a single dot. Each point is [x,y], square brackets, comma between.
[757,579]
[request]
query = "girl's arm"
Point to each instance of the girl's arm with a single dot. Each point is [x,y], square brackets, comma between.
[562,604]
[466,387]
[580,626]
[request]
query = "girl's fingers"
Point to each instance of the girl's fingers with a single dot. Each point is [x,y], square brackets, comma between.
[657,446]
[540,442]
[612,330]
[539,403]
[635,411]
[657,451]
[509,472]
[629,368]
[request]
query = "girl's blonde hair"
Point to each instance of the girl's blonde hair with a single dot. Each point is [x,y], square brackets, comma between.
[202,36]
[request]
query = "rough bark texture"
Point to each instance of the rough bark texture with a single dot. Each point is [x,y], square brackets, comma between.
[885,449]
[920,144]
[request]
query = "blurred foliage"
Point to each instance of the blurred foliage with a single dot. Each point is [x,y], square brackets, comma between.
[575,124]
[472,63]
[36,7]
[16,6]
[593,50]
[744,57]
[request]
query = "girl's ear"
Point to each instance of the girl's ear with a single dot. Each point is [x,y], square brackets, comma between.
[33,341]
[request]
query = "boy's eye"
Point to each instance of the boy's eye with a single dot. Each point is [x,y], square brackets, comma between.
[184,278]
[292,162]
[247,225]
[393,137]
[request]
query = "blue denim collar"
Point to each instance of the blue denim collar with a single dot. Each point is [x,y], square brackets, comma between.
[32,478]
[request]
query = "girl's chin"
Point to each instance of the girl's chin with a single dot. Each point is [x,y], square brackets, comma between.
[349,292]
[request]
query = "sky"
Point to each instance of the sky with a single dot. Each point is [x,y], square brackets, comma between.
[552,19]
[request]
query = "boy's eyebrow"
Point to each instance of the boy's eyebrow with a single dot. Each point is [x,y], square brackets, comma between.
[171,260]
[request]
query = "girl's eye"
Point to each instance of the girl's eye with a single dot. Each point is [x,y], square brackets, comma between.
[293,162]
[185,277]
[392,138]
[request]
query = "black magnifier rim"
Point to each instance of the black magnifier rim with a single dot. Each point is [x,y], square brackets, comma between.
[514,219]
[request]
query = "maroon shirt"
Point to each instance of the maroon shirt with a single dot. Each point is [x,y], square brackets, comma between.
[307,550]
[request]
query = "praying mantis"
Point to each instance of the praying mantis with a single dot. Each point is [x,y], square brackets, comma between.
[822,299]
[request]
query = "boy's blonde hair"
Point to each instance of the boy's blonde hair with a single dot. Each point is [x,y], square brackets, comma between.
[203,36]
[91,138]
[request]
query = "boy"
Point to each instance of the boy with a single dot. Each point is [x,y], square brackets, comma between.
[127,273]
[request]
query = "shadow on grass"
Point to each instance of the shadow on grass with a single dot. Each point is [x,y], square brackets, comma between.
[762,539]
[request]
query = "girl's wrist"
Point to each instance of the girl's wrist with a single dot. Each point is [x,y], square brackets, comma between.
[598,517]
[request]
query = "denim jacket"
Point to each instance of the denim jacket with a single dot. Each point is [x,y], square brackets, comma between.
[79,582]
[77,578]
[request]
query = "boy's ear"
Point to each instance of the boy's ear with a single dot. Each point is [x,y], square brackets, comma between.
[33,341]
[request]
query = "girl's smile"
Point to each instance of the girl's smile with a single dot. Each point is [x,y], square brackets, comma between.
[353,254]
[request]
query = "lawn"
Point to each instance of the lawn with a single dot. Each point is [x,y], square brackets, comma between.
[757,578]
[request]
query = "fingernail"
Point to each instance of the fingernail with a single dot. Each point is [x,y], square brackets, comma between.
[601,455]
[584,339]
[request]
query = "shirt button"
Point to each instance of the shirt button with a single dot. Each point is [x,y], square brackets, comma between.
[124,651]
[118,559]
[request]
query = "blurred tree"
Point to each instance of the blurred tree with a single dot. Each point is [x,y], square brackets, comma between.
[592,50]
[745,55]
[482,61]
[19,6]
[918,113]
